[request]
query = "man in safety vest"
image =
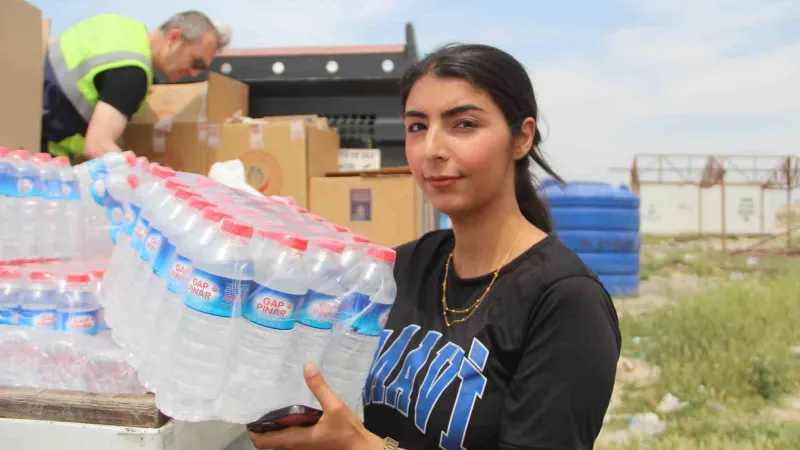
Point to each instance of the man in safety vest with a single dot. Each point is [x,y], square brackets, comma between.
[98,72]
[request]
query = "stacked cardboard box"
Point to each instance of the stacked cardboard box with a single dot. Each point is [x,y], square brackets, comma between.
[23,34]
[384,205]
[191,126]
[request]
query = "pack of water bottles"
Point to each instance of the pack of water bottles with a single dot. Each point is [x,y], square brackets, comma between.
[52,333]
[219,297]
[52,211]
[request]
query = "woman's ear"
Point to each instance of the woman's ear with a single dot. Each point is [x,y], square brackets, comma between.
[524,141]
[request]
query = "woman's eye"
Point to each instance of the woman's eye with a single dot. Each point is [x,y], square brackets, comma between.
[416,126]
[466,124]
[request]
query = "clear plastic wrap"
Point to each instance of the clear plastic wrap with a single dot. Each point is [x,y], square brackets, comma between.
[48,359]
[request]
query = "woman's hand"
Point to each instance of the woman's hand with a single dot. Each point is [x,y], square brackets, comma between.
[338,428]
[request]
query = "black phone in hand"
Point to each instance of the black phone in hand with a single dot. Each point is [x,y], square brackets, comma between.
[291,416]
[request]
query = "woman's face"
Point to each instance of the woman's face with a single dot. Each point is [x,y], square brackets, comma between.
[458,144]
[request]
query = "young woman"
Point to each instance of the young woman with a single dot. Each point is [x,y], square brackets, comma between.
[500,337]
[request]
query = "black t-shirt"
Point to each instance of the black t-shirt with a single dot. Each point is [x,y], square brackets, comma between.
[123,88]
[533,368]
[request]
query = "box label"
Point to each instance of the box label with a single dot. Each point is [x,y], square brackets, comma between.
[263,172]
[360,205]
[354,159]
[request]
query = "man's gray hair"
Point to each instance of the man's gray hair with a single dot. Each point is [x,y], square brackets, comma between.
[193,25]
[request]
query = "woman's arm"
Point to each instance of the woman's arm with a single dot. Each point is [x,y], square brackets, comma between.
[562,387]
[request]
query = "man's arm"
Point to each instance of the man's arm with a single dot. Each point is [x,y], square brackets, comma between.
[105,128]
[121,92]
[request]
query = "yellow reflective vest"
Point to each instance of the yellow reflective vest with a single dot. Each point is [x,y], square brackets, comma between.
[94,45]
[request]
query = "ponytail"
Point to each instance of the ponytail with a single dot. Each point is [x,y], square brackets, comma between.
[531,205]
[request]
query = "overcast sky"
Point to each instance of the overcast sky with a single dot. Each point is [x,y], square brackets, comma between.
[614,77]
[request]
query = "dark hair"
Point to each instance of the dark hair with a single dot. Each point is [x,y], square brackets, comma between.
[507,83]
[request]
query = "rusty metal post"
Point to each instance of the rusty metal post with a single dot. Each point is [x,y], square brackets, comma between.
[763,228]
[723,230]
[699,210]
[789,184]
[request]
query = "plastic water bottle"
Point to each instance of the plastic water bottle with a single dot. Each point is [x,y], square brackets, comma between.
[118,275]
[187,247]
[142,167]
[7,185]
[355,253]
[360,321]
[38,302]
[71,222]
[103,214]
[26,204]
[78,307]
[263,332]
[315,316]
[97,287]
[169,305]
[173,216]
[148,240]
[142,270]
[51,208]
[11,286]
[222,276]
[126,231]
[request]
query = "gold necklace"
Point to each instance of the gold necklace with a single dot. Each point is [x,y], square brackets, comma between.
[470,311]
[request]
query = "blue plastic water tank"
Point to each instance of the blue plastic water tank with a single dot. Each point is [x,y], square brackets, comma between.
[600,223]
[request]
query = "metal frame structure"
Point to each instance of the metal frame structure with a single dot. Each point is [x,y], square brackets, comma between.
[356,87]
[776,172]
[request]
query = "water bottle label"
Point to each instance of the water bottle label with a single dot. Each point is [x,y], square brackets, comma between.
[52,189]
[99,192]
[317,310]
[37,318]
[77,322]
[131,219]
[116,219]
[5,178]
[96,167]
[151,245]
[180,269]
[28,186]
[71,190]
[139,233]
[8,316]
[270,308]
[161,265]
[11,186]
[215,295]
[372,320]
[352,304]
[101,196]
[98,175]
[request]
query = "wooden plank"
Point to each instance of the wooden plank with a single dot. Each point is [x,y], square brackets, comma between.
[127,410]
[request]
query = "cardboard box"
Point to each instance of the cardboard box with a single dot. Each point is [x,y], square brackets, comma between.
[180,124]
[280,156]
[22,75]
[388,209]
[213,101]
[46,25]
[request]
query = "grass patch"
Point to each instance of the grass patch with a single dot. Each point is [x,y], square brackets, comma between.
[709,264]
[727,351]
